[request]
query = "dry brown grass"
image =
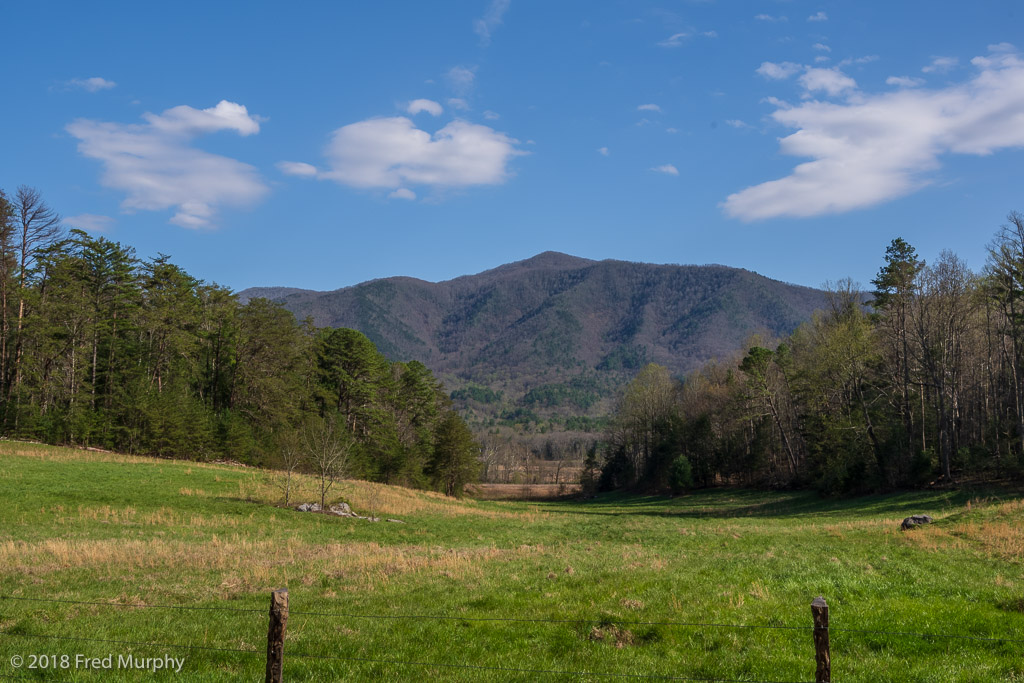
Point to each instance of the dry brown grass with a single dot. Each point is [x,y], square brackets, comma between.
[369,498]
[523,491]
[247,565]
[1002,539]
[28,449]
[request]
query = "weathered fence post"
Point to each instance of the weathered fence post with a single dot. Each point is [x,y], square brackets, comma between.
[819,610]
[275,635]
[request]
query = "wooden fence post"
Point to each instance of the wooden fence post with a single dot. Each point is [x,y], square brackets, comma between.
[819,610]
[275,635]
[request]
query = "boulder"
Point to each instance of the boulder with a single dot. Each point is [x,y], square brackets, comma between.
[309,507]
[341,510]
[915,520]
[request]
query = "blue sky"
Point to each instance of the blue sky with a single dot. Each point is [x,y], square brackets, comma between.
[323,144]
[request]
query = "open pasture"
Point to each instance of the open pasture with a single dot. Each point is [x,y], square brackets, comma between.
[185,554]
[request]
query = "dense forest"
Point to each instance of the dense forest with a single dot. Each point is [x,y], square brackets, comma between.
[919,380]
[100,348]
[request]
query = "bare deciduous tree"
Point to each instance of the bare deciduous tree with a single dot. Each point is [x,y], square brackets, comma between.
[291,455]
[328,449]
[36,226]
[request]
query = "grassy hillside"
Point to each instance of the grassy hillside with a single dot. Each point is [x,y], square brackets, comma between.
[117,530]
[556,320]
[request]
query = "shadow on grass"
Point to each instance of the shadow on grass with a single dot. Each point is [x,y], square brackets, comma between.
[737,503]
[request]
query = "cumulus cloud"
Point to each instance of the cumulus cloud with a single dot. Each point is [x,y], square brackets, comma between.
[458,103]
[491,115]
[771,19]
[649,107]
[821,46]
[393,153]
[940,65]
[156,166]
[818,16]
[603,151]
[402,193]
[90,222]
[777,72]
[429,106]
[904,81]
[94,84]
[736,123]
[877,147]
[298,168]
[667,169]
[831,81]
[491,20]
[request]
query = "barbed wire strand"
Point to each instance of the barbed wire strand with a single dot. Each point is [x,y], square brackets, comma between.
[598,620]
[109,641]
[120,604]
[534,671]
[928,635]
[440,617]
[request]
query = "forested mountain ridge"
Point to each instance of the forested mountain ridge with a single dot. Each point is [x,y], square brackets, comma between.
[557,331]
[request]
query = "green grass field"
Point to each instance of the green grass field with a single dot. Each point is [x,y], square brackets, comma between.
[117,530]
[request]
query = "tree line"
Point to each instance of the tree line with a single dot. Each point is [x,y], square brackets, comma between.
[101,348]
[919,380]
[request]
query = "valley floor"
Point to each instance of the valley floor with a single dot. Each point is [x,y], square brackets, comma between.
[103,554]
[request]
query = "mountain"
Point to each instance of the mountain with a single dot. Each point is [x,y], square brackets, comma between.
[557,334]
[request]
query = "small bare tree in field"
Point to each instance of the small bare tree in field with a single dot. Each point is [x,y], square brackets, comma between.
[291,455]
[328,449]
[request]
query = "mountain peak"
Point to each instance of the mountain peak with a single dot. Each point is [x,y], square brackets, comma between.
[548,260]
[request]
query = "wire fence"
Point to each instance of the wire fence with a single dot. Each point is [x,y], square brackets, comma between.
[819,629]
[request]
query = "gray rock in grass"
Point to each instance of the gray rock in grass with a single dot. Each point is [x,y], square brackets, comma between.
[915,520]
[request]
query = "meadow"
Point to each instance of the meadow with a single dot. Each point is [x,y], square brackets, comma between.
[102,553]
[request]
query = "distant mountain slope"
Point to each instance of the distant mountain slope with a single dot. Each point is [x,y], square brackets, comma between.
[557,333]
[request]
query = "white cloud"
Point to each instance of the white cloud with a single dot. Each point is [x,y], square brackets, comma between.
[736,123]
[392,152]
[402,193]
[878,147]
[819,16]
[154,164]
[675,40]
[832,81]
[603,151]
[821,59]
[298,168]
[491,115]
[867,59]
[186,121]
[769,18]
[777,72]
[429,106]
[458,103]
[491,20]
[940,65]
[710,34]
[649,107]
[461,79]
[90,222]
[672,131]
[667,169]
[94,84]
[904,81]
[821,46]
